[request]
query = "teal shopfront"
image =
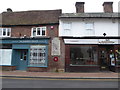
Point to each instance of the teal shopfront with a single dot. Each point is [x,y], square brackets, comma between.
[25,52]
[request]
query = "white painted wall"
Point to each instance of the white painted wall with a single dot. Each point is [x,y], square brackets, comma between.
[108,26]
[5,56]
[101,26]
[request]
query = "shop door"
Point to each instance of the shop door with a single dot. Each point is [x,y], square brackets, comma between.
[104,61]
[106,58]
[22,59]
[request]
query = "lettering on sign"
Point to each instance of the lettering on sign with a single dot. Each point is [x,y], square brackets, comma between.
[107,41]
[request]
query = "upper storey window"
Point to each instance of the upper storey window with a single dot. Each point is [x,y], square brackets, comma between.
[67,28]
[38,31]
[89,28]
[5,32]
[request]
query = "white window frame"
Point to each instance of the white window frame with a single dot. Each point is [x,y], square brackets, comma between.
[67,25]
[37,60]
[89,26]
[36,30]
[6,30]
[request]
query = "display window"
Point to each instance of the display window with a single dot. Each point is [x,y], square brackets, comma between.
[83,55]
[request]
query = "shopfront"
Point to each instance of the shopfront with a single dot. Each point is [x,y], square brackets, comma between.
[91,57]
[24,53]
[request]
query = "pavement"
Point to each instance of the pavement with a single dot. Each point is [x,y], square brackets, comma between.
[60,75]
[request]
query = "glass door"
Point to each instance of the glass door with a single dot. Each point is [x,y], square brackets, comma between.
[103,56]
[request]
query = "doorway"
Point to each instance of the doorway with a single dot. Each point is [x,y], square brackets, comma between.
[106,57]
[22,58]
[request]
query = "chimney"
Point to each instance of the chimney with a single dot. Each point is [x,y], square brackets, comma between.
[108,7]
[9,10]
[79,7]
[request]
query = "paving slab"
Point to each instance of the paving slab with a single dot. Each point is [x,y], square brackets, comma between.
[98,75]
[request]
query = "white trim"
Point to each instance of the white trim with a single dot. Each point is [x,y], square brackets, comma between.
[36,29]
[90,41]
[6,30]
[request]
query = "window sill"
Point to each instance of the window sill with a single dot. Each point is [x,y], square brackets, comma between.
[5,36]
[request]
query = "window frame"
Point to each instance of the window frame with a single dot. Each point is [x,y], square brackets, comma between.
[88,26]
[7,30]
[41,29]
[65,24]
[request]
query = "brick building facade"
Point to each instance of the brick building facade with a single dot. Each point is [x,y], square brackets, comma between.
[27,39]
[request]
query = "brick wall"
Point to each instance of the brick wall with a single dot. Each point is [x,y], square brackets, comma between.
[52,31]
[19,31]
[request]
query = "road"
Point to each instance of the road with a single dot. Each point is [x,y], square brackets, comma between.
[58,83]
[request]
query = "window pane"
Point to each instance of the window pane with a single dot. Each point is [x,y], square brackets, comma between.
[25,55]
[34,31]
[43,32]
[38,31]
[67,26]
[89,26]
[4,31]
[8,32]
[83,55]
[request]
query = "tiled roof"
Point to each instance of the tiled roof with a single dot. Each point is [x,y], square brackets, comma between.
[89,15]
[30,17]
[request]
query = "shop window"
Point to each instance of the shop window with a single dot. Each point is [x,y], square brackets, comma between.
[38,31]
[5,32]
[83,55]
[5,56]
[38,55]
[118,56]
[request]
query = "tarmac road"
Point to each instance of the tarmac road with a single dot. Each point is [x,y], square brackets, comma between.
[58,83]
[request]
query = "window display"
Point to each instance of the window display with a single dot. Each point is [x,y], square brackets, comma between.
[83,55]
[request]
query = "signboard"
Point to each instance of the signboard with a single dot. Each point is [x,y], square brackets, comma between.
[91,41]
[22,41]
[55,47]
[106,41]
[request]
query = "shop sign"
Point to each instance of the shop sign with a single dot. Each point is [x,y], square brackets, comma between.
[106,41]
[25,41]
[29,41]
